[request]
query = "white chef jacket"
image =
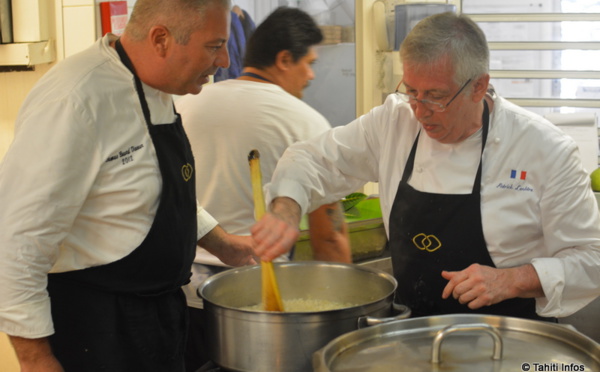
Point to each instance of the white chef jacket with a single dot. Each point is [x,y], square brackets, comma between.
[80,184]
[536,201]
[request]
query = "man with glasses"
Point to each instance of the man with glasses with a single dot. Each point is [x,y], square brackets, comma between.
[430,104]
[487,206]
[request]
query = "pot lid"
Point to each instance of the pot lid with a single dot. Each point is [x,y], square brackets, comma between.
[460,342]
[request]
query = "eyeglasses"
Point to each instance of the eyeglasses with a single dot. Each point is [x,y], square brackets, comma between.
[430,105]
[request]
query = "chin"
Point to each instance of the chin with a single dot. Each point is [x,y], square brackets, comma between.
[193,89]
[435,135]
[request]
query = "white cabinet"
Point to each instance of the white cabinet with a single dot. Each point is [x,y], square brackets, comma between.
[27,54]
[32,21]
[62,27]
[79,26]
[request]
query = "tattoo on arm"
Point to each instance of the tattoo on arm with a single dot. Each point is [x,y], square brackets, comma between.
[334,212]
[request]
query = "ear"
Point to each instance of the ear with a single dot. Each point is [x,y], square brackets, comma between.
[480,87]
[283,60]
[160,38]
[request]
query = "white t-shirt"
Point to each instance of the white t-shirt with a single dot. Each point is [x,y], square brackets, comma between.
[224,123]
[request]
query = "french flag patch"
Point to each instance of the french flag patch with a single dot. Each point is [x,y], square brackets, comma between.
[522,175]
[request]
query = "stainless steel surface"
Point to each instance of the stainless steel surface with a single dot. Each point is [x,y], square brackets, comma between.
[406,345]
[379,263]
[436,346]
[400,312]
[586,320]
[245,340]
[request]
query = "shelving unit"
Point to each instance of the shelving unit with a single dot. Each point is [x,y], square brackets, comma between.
[27,54]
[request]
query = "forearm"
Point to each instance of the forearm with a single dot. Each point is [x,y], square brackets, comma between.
[35,355]
[234,250]
[525,282]
[214,241]
[287,210]
[336,249]
[480,285]
[329,236]
[277,231]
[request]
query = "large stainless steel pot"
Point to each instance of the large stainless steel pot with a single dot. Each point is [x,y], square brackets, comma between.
[461,342]
[246,340]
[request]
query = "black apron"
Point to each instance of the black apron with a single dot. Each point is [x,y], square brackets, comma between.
[434,232]
[131,314]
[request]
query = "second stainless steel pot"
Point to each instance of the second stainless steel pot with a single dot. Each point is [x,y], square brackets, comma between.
[460,342]
[247,340]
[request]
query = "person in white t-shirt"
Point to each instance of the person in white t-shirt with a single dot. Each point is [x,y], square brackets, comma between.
[262,109]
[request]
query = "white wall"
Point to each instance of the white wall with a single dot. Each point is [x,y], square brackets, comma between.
[14,86]
[8,361]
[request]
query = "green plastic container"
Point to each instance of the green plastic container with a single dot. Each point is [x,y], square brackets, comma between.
[366,230]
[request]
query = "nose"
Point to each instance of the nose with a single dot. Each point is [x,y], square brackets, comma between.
[222,59]
[420,110]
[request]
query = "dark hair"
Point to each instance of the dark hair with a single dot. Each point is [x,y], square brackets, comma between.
[285,29]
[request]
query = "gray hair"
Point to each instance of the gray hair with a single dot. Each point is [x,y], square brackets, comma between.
[181,17]
[448,35]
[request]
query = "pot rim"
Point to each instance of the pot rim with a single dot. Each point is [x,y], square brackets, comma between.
[282,265]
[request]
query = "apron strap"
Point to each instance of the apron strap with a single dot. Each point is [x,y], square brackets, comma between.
[138,83]
[485,120]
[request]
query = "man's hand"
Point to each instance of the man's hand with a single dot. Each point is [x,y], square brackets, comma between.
[478,286]
[234,250]
[35,355]
[277,232]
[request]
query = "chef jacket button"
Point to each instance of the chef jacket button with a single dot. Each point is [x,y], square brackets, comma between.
[496,140]
[419,170]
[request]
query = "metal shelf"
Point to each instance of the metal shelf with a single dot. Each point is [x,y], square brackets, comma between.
[535,17]
[27,54]
[555,102]
[544,74]
[543,45]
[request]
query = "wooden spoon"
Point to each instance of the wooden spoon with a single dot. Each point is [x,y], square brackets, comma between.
[270,290]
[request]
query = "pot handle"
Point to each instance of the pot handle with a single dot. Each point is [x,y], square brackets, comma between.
[436,347]
[402,312]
